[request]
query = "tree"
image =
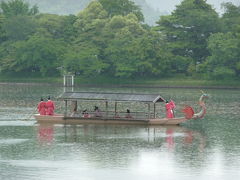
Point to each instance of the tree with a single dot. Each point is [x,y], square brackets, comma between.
[152,58]
[83,60]
[188,28]
[121,33]
[58,27]
[36,55]
[231,17]
[2,30]
[17,7]
[19,27]
[68,31]
[16,21]
[90,23]
[135,51]
[122,7]
[225,56]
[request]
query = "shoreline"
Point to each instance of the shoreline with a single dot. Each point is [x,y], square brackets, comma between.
[124,85]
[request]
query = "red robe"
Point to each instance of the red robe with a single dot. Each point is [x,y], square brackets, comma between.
[169,109]
[50,107]
[173,104]
[42,108]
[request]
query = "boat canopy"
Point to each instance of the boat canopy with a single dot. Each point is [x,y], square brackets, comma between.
[149,98]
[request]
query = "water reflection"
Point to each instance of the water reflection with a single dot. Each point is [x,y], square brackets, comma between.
[170,138]
[45,133]
[120,144]
[201,149]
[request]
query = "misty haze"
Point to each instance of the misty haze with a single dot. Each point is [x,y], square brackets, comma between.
[152,9]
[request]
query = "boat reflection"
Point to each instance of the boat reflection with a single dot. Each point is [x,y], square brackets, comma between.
[105,145]
[173,135]
[155,136]
[170,138]
[45,133]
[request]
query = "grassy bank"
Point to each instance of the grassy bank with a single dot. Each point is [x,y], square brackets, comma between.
[167,82]
[179,81]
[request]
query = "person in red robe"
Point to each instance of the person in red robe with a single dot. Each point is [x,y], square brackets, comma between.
[42,107]
[173,106]
[50,105]
[169,109]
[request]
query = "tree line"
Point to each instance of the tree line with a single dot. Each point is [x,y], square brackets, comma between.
[109,38]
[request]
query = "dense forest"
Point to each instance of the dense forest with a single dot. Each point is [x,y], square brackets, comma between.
[110,38]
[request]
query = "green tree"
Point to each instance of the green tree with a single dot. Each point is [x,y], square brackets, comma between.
[225,53]
[135,51]
[68,31]
[16,21]
[19,27]
[122,7]
[152,58]
[121,32]
[85,56]
[57,27]
[83,60]
[231,17]
[90,23]
[2,30]
[188,28]
[35,55]
[17,7]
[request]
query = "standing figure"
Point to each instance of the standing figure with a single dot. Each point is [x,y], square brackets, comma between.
[169,109]
[173,106]
[50,105]
[42,107]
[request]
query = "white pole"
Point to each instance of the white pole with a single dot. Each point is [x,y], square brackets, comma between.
[64,80]
[72,80]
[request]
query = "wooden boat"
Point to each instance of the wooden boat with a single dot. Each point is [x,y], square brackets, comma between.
[115,117]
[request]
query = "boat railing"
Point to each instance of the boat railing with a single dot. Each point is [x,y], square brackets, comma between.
[113,115]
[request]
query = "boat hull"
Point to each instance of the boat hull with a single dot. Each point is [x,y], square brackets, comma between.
[60,119]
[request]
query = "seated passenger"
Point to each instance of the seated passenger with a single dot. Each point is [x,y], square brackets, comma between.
[97,112]
[128,115]
[85,114]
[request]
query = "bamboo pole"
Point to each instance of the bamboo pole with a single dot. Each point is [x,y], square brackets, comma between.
[154,110]
[65,112]
[106,103]
[149,111]
[115,109]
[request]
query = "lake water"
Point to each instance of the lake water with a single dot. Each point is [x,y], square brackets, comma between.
[202,149]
